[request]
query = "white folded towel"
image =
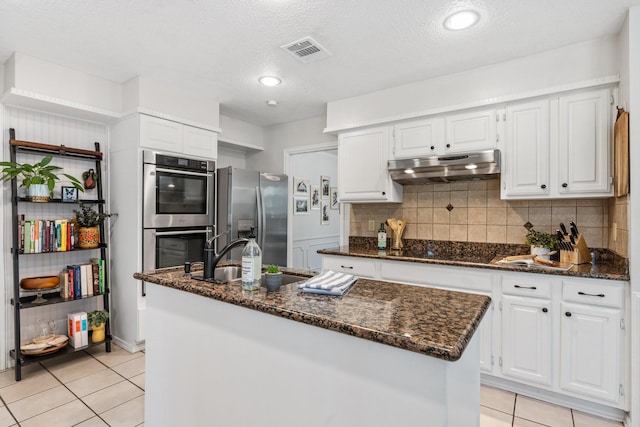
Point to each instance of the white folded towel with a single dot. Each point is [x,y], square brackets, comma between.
[328,283]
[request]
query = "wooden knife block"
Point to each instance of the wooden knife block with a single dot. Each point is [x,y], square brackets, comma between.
[579,255]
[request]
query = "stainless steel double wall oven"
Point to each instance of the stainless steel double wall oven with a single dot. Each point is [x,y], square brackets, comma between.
[178,209]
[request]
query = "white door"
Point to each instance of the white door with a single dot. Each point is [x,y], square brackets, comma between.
[590,351]
[473,131]
[583,143]
[526,163]
[526,339]
[418,138]
[160,134]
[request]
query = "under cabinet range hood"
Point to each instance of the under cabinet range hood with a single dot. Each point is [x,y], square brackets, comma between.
[447,168]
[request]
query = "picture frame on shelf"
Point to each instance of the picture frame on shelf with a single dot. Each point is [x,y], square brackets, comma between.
[315,197]
[325,183]
[68,194]
[300,186]
[300,205]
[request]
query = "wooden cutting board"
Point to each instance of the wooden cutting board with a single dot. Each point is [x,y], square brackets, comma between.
[621,154]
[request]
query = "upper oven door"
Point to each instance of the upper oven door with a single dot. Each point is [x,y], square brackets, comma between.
[177,198]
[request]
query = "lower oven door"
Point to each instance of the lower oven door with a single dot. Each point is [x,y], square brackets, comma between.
[171,247]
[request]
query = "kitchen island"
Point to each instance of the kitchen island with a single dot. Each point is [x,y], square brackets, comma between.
[382,354]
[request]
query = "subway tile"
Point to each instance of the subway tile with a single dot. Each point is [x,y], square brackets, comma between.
[563,214]
[497,216]
[517,215]
[516,234]
[494,200]
[458,216]
[593,236]
[564,202]
[458,233]
[493,184]
[410,215]
[477,185]
[459,186]
[410,231]
[459,199]
[425,231]
[409,199]
[477,233]
[441,199]
[425,200]
[425,215]
[477,199]
[425,188]
[496,234]
[441,188]
[440,216]
[540,217]
[589,216]
[591,202]
[478,216]
[407,189]
[540,203]
[518,203]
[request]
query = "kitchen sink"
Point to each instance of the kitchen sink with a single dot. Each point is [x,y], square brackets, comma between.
[232,272]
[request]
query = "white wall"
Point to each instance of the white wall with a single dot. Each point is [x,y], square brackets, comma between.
[279,137]
[229,157]
[499,82]
[240,133]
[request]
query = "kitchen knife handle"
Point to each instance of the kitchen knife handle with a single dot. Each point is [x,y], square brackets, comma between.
[564,229]
[575,227]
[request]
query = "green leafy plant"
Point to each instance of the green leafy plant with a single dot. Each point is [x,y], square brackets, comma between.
[273,269]
[37,173]
[97,317]
[87,217]
[541,239]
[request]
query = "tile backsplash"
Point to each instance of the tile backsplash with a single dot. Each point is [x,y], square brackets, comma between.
[474,212]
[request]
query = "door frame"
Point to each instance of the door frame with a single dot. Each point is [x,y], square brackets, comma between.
[342,211]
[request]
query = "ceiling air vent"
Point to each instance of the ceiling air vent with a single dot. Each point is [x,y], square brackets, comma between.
[306,50]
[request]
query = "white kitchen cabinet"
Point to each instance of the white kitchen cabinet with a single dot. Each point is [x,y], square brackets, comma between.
[471,131]
[526,339]
[583,143]
[165,135]
[592,340]
[525,166]
[558,148]
[418,138]
[360,267]
[362,167]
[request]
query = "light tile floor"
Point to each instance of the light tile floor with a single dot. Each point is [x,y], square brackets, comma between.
[89,388]
[94,388]
[501,408]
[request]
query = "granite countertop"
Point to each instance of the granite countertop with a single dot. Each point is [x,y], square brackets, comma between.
[463,254]
[434,322]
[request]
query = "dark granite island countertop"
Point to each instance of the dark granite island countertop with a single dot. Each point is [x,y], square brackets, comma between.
[434,322]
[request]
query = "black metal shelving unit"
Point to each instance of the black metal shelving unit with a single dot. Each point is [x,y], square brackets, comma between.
[21,303]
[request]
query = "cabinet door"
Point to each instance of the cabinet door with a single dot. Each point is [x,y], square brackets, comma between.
[418,138]
[471,131]
[590,351]
[583,143]
[526,339]
[159,134]
[362,167]
[200,142]
[360,267]
[525,170]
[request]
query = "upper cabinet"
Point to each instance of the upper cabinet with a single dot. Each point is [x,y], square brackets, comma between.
[558,148]
[455,133]
[166,135]
[362,167]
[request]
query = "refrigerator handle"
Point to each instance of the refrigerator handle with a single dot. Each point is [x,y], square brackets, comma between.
[261,217]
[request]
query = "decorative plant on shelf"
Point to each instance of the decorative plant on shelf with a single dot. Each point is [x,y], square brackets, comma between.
[39,178]
[273,278]
[89,219]
[97,319]
[540,239]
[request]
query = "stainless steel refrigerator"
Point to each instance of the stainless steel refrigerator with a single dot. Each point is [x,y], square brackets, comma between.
[253,199]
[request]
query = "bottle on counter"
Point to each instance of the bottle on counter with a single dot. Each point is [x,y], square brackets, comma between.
[251,264]
[382,237]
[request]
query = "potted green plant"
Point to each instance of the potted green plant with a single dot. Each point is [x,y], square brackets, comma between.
[541,243]
[273,278]
[38,178]
[89,221]
[97,319]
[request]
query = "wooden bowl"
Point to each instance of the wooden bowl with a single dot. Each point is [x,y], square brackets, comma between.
[45,282]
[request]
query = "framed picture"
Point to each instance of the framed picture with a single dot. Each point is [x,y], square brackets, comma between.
[315,197]
[300,205]
[324,183]
[334,198]
[69,194]
[324,212]
[300,185]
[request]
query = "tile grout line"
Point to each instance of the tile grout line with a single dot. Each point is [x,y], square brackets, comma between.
[9,410]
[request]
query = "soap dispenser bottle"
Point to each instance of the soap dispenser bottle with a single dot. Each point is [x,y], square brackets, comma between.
[251,264]
[382,237]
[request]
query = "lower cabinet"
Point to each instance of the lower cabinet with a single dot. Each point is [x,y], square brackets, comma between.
[526,339]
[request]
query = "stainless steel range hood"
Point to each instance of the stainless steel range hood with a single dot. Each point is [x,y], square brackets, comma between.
[453,167]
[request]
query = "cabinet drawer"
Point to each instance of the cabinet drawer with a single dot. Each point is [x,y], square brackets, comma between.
[610,295]
[358,267]
[526,286]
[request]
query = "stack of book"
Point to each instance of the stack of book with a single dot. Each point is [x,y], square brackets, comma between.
[45,235]
[83,280]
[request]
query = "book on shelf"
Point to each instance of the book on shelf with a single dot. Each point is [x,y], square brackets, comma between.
[82,280]
[74,330]
[99,262]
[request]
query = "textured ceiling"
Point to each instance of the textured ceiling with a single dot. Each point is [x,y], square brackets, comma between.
[220,47]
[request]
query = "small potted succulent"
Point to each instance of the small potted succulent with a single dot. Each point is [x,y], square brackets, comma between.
[541,243]
[38,178]
[97,320]
[273,278]
[89,221]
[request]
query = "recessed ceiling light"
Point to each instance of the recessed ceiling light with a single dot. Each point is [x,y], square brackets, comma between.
[269,80]
[272,103]
[461,20]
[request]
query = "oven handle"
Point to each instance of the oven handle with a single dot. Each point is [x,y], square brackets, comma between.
[173,233]
[183,172]
[262,218]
